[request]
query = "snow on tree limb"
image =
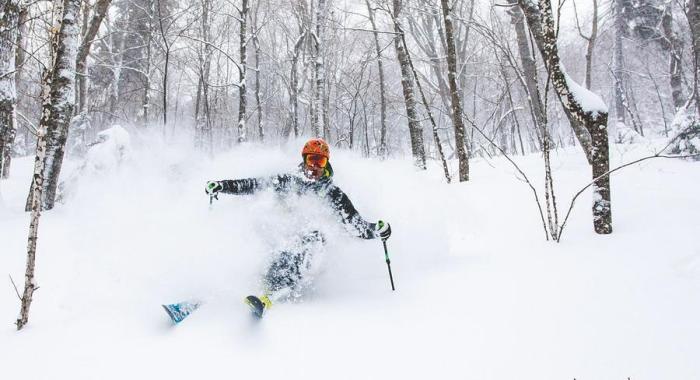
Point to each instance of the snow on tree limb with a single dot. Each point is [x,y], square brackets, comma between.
[589,101]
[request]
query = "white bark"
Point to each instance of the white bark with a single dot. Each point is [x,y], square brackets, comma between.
[8,86]
[53,129]
[317,114]
[59,100]
[414,126]
[242,72]
[382,150]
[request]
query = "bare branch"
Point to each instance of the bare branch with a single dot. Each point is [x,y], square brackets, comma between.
[525,178]
[369,30]
[29,125]
[15,286]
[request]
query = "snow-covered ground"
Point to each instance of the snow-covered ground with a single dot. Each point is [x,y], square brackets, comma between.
[480,293]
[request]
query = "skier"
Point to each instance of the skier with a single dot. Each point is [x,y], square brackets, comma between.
[285,275]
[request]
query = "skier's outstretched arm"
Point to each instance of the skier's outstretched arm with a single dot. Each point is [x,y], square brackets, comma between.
[351,217]
[248,185]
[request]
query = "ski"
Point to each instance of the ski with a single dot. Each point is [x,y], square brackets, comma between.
[257,306]
[181,310]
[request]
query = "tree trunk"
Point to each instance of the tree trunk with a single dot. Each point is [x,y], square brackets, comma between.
[424,35]
[84,50]
[294,84]
[56,112]
[317,117]
[20,79]
[462,154]
[117,59]
[594,119]
[694,21]
[148,40]
[242,72]
[414,126]
[203,117]
[618,63]
[35,206]
[382,151]
[672,44]
[59,102]
[81,72]
[256,44]
[166,67]
[436,136]
[591,45]
[8,85]
[531,85]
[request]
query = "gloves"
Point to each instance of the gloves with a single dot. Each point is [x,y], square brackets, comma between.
[383,230]
[213,187]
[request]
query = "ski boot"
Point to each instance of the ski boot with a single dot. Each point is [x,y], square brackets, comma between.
[258,305]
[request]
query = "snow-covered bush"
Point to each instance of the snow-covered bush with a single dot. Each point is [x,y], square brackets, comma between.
[686,127]
[626,135]
[79,125]
[108,151]
[104,155]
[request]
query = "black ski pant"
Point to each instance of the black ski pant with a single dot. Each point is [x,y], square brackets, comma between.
[291,264]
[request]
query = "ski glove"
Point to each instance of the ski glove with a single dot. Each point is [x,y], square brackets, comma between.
[383,230]
[213,187]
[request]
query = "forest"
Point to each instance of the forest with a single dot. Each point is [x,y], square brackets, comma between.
[461,90]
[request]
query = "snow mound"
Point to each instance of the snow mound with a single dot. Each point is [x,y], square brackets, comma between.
[626,135]
[104,156]
[108,151]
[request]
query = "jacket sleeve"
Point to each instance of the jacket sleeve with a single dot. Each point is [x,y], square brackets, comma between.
[279,183]
[349,215]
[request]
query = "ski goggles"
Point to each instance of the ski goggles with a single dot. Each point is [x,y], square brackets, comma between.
[316,160]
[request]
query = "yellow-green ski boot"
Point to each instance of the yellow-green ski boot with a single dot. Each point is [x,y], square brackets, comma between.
[258,305]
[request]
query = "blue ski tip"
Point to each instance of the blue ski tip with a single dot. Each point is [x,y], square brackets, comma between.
[179,311]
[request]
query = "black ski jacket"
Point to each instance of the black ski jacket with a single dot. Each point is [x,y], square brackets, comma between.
[287,184]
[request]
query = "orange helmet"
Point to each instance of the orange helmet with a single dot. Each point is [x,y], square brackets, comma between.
[316,146]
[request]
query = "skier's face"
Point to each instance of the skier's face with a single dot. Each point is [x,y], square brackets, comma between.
[315,166]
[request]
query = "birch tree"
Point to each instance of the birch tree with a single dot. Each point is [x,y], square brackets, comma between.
[147,39]
[256,45]
[58,103]
[8,87]
[457,121]
[242,72]
[414,126]
[57,109]
[203,128]
[618,64]
[382,150]
[294,86]
[317,114]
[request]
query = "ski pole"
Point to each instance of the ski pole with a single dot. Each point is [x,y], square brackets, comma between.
[211,199]
[388,265]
